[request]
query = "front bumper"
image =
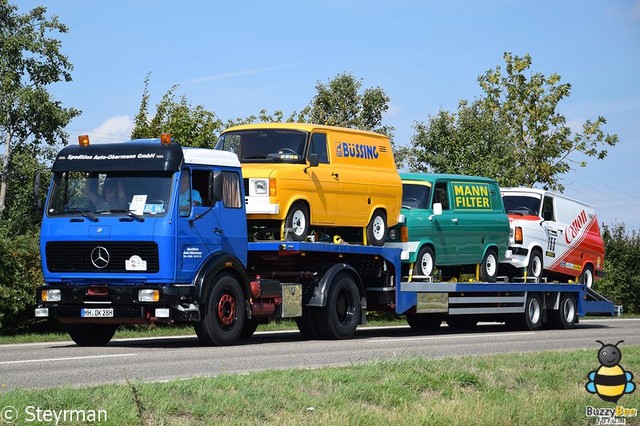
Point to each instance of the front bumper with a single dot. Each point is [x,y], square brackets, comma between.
[119,304]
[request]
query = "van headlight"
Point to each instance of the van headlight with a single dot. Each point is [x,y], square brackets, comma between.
[260,186]
[393,234]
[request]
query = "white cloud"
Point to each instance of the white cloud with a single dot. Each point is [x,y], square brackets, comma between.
[237,74]
[115,129]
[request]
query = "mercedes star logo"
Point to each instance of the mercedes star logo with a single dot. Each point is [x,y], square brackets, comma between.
[100,257]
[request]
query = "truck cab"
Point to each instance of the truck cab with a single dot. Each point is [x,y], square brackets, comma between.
[131,231]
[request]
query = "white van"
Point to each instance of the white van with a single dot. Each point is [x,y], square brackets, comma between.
[552,236]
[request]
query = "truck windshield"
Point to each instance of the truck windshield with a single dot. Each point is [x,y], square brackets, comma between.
[257,146]
[139,193]
[522,204]
[415,196]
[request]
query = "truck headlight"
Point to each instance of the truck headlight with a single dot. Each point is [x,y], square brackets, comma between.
[148,295]
[52,295]
[260,186]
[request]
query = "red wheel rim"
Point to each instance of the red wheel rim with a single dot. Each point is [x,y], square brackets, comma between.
[226,309]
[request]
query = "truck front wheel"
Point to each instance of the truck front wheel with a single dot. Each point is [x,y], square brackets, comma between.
[341,315]
[223,314]
[91,334]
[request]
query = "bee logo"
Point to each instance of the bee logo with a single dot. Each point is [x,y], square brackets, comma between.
[610,381]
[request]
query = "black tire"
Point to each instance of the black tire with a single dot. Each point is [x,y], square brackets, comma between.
[536,265]
[298,220]
[250,327]
[566,316]
[424,322]
[425,262]
[308,323]
[340,316]
[489,266]
[377,228]
[223,314]
[462,322]
[586,277]
[531,319]
[91,334]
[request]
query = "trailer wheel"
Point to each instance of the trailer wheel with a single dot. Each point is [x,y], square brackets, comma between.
[91,334]
[489,266]
[567,314]
[586,277]
[377,228]
[298,221]
[462,322]
[223,315]
[424,322]
[308,323]
[535,267]
[532,317]
[341,315]
[425,263]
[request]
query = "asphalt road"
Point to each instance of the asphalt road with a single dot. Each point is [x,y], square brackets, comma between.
[43,365]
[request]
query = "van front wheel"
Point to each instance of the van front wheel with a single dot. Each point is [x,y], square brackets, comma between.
[377,228]
[297,222]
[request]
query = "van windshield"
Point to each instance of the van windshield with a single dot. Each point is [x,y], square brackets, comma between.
[522,204]
[266,145]
[95,193]
[415,196]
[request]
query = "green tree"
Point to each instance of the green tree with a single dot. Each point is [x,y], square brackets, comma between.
[189,125]
[341,102]
[622,266]
[31,120]
[516,124]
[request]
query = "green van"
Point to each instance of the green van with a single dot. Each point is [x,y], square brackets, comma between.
[453,223]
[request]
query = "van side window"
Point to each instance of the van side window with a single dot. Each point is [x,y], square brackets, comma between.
[318,146]
[231,190]
[547,209]
[441,195]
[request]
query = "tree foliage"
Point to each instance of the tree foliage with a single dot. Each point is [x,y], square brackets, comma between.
[31,120]
[517,134]
[341,102]
[622,266]
[188,124]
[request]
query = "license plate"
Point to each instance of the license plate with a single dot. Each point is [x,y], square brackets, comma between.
[96,313]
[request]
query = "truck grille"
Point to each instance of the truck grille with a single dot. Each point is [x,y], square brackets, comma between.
[97,256]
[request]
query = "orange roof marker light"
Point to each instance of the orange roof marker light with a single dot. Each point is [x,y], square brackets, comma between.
[83,140]
[165,139]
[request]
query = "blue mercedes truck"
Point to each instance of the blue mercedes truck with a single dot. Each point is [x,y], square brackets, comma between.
[148,231]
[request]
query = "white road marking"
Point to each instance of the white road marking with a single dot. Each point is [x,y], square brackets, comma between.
[26,361]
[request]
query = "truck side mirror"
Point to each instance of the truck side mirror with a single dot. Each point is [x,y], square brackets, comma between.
[437,210]
[37,201]
[215,186]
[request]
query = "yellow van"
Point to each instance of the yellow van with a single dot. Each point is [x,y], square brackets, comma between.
[306,176]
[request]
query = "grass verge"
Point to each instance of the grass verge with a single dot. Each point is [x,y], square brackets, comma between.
[541,389]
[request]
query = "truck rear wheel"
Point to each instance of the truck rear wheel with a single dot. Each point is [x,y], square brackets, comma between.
[341,315]
[424,322]
[91,334]
[223,315]
[567,314]
[531,319]
[308,323]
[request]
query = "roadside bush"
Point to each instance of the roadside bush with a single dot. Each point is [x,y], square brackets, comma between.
[20,274]
[622,266]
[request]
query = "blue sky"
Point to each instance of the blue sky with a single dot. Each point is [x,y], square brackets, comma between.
[236,58]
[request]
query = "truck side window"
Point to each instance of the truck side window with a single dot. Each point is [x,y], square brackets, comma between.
[231,190]
[200,182]
[547,209]
[441,195]
[318,146]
